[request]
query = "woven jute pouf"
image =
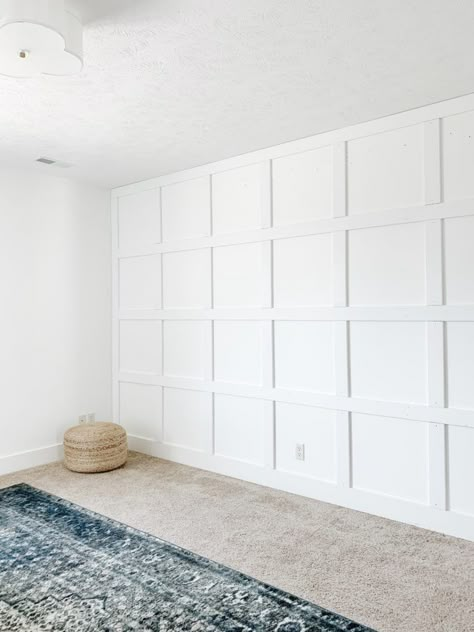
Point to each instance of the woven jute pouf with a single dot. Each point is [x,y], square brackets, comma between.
[97,447]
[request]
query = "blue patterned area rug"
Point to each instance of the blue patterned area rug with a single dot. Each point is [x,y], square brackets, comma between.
[64,568]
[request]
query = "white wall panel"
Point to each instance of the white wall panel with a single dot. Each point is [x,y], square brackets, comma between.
[237,419]
[319,292]
[238,352]
[387,265]
[388,361]
[140,407]
[186,209]
[461,469]
[458,156]
[302,187]
[140,346]
[187,418]
[239,275]
[139,220]
[187,279]
[304,356]
[302,271]
[140,282]
[315,428]
[459,260]
[460,356]
[389,456]
[386,170]
[238,199]
[187,348]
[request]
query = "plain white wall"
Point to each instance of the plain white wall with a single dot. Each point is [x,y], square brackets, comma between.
[55,293]
[319,292]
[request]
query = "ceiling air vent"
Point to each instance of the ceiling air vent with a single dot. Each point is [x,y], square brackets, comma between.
[57,163]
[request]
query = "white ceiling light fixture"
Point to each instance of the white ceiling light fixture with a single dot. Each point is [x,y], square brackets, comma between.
[39,37]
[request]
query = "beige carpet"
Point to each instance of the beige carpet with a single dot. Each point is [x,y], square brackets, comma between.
[390,576]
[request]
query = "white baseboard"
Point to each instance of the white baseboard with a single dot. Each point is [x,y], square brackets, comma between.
[424,516]
[30,458]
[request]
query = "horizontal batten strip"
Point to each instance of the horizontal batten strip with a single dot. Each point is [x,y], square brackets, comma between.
[390,217]
[432,313]
[413,412]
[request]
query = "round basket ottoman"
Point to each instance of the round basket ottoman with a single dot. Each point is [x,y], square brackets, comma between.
[96,447]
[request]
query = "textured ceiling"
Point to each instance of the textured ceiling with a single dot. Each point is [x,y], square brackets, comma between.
[170,84]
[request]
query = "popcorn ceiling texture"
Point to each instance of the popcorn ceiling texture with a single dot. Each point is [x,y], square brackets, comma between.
[387,575]
[171,84]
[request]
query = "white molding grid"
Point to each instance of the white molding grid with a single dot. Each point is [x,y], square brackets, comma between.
[351,241]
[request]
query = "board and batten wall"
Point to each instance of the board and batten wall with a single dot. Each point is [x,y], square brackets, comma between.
[318,292]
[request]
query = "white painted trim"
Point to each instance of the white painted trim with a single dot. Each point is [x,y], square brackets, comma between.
[458,525]
[409,313]
[414,412]
[431,211]
[403,119]
[343,449]
[406,215]
[30,458]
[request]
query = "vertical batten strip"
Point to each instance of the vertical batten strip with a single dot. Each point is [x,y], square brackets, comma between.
[432,162]
[339,195]
[341,362]
[436,432]
[267,274]
[437,474]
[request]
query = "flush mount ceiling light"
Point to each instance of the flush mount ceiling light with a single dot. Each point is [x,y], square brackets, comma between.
[39,37]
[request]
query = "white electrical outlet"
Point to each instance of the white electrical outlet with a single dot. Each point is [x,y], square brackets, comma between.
[82,419]
[299,452]
[90,418]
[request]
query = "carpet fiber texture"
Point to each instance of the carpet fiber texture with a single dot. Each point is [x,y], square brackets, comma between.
[65,568]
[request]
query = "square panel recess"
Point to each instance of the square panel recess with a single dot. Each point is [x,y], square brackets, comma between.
[140,346]
[187,279]
[140,282]
[139,219]
[141,409]
[387,265]
[238,198]
[386,170]
[303,271]
[313,427]
[459,260]
[302,187]
[186,208]
[187,349]
[238,352]
[458,156]
[304,356]
[390,457]
[238,275]
[388,361]
[187,418]
[460,361]
[240,428]
[461,469]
